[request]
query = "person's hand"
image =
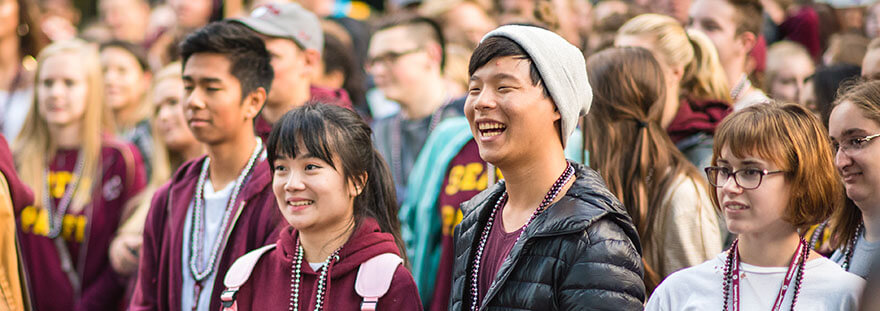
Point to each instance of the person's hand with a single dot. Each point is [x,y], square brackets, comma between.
[124,253]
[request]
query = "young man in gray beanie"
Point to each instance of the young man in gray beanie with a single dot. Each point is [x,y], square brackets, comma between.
[550,236]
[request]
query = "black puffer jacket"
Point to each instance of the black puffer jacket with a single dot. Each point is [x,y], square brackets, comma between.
[582,253]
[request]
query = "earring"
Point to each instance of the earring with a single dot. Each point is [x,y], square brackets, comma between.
[23,29]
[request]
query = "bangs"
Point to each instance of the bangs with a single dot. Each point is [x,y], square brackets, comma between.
[301,133]
[757,133]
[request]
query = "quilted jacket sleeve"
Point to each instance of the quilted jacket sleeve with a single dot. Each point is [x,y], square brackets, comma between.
[603,266]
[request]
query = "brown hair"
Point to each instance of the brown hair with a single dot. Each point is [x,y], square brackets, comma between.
[749,16]
[865,96]
[795,140]
[628,98]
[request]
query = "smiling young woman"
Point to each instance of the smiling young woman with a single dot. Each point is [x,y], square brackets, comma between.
[81,181]
[337,195]
[854,126]
[773,177]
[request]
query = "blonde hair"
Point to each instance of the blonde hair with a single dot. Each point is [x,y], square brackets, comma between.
[775,55]
[703,76]
[161,157]
[34,139]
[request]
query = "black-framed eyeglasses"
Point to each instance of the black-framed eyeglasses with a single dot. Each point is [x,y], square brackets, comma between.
[747,178]
[390,58]
[852,144]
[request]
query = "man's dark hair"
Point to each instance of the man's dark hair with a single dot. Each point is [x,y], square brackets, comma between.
[413,20]
[495,47]
[249,60]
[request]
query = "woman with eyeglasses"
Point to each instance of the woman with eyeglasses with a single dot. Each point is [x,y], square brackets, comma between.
[773,178]
[854,126]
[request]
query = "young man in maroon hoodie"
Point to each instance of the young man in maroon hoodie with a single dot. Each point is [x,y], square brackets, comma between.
[221,206]
[295,40]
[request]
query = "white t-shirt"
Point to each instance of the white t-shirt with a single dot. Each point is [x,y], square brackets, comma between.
[825,286]
[215,207]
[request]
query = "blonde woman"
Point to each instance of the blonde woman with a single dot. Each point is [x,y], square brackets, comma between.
[173,144]
[697,91]
[81,180]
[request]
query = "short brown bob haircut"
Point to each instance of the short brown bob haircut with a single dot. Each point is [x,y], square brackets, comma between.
[791,137]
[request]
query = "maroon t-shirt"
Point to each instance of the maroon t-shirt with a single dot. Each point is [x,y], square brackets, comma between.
[466,177]
[497,248]
[89,230]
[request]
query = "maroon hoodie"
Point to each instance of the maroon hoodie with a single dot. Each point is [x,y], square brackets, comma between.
[269,287]
[338,97]
[697,116]
[21,194]
[159,274]
[85,234]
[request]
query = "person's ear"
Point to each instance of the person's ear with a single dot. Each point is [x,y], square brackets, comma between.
[747,41]
[311,62]
[254,102]
[435,53]
[357,186]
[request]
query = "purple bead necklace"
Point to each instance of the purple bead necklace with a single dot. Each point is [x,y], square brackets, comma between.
[478,258]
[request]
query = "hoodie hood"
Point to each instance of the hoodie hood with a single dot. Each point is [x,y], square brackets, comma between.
[21,194]
[366,242]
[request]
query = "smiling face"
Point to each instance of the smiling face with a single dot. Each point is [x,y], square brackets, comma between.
[62,89]
[860,168]
[215,109]
[124,80]
[756,210]
[509,116]
[312,194]
[169,120]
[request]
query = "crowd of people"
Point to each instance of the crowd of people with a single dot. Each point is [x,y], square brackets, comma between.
[439,155]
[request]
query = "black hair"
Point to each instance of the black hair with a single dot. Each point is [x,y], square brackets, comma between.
[325,130]
[495,47]
[135,50]
[247,54]
[827,81]
[409,19]
[337,57]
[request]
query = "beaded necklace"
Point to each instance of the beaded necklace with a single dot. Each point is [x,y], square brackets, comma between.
[851,248]
[742,85]
[478,257]
[199,270]
[56,214]
[295,277]
[731,279]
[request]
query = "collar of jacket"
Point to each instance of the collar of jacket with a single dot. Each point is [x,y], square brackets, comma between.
[587,199]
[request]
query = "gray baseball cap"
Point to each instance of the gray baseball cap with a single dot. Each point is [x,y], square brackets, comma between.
[287,20]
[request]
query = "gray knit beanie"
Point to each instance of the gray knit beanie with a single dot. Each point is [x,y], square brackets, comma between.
[562,66]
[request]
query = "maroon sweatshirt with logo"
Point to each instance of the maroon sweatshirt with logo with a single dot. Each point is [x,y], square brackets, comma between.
[159,274]
[86,234]
[269,287]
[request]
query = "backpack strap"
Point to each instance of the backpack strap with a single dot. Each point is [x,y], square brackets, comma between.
[238,274]
[374,278]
